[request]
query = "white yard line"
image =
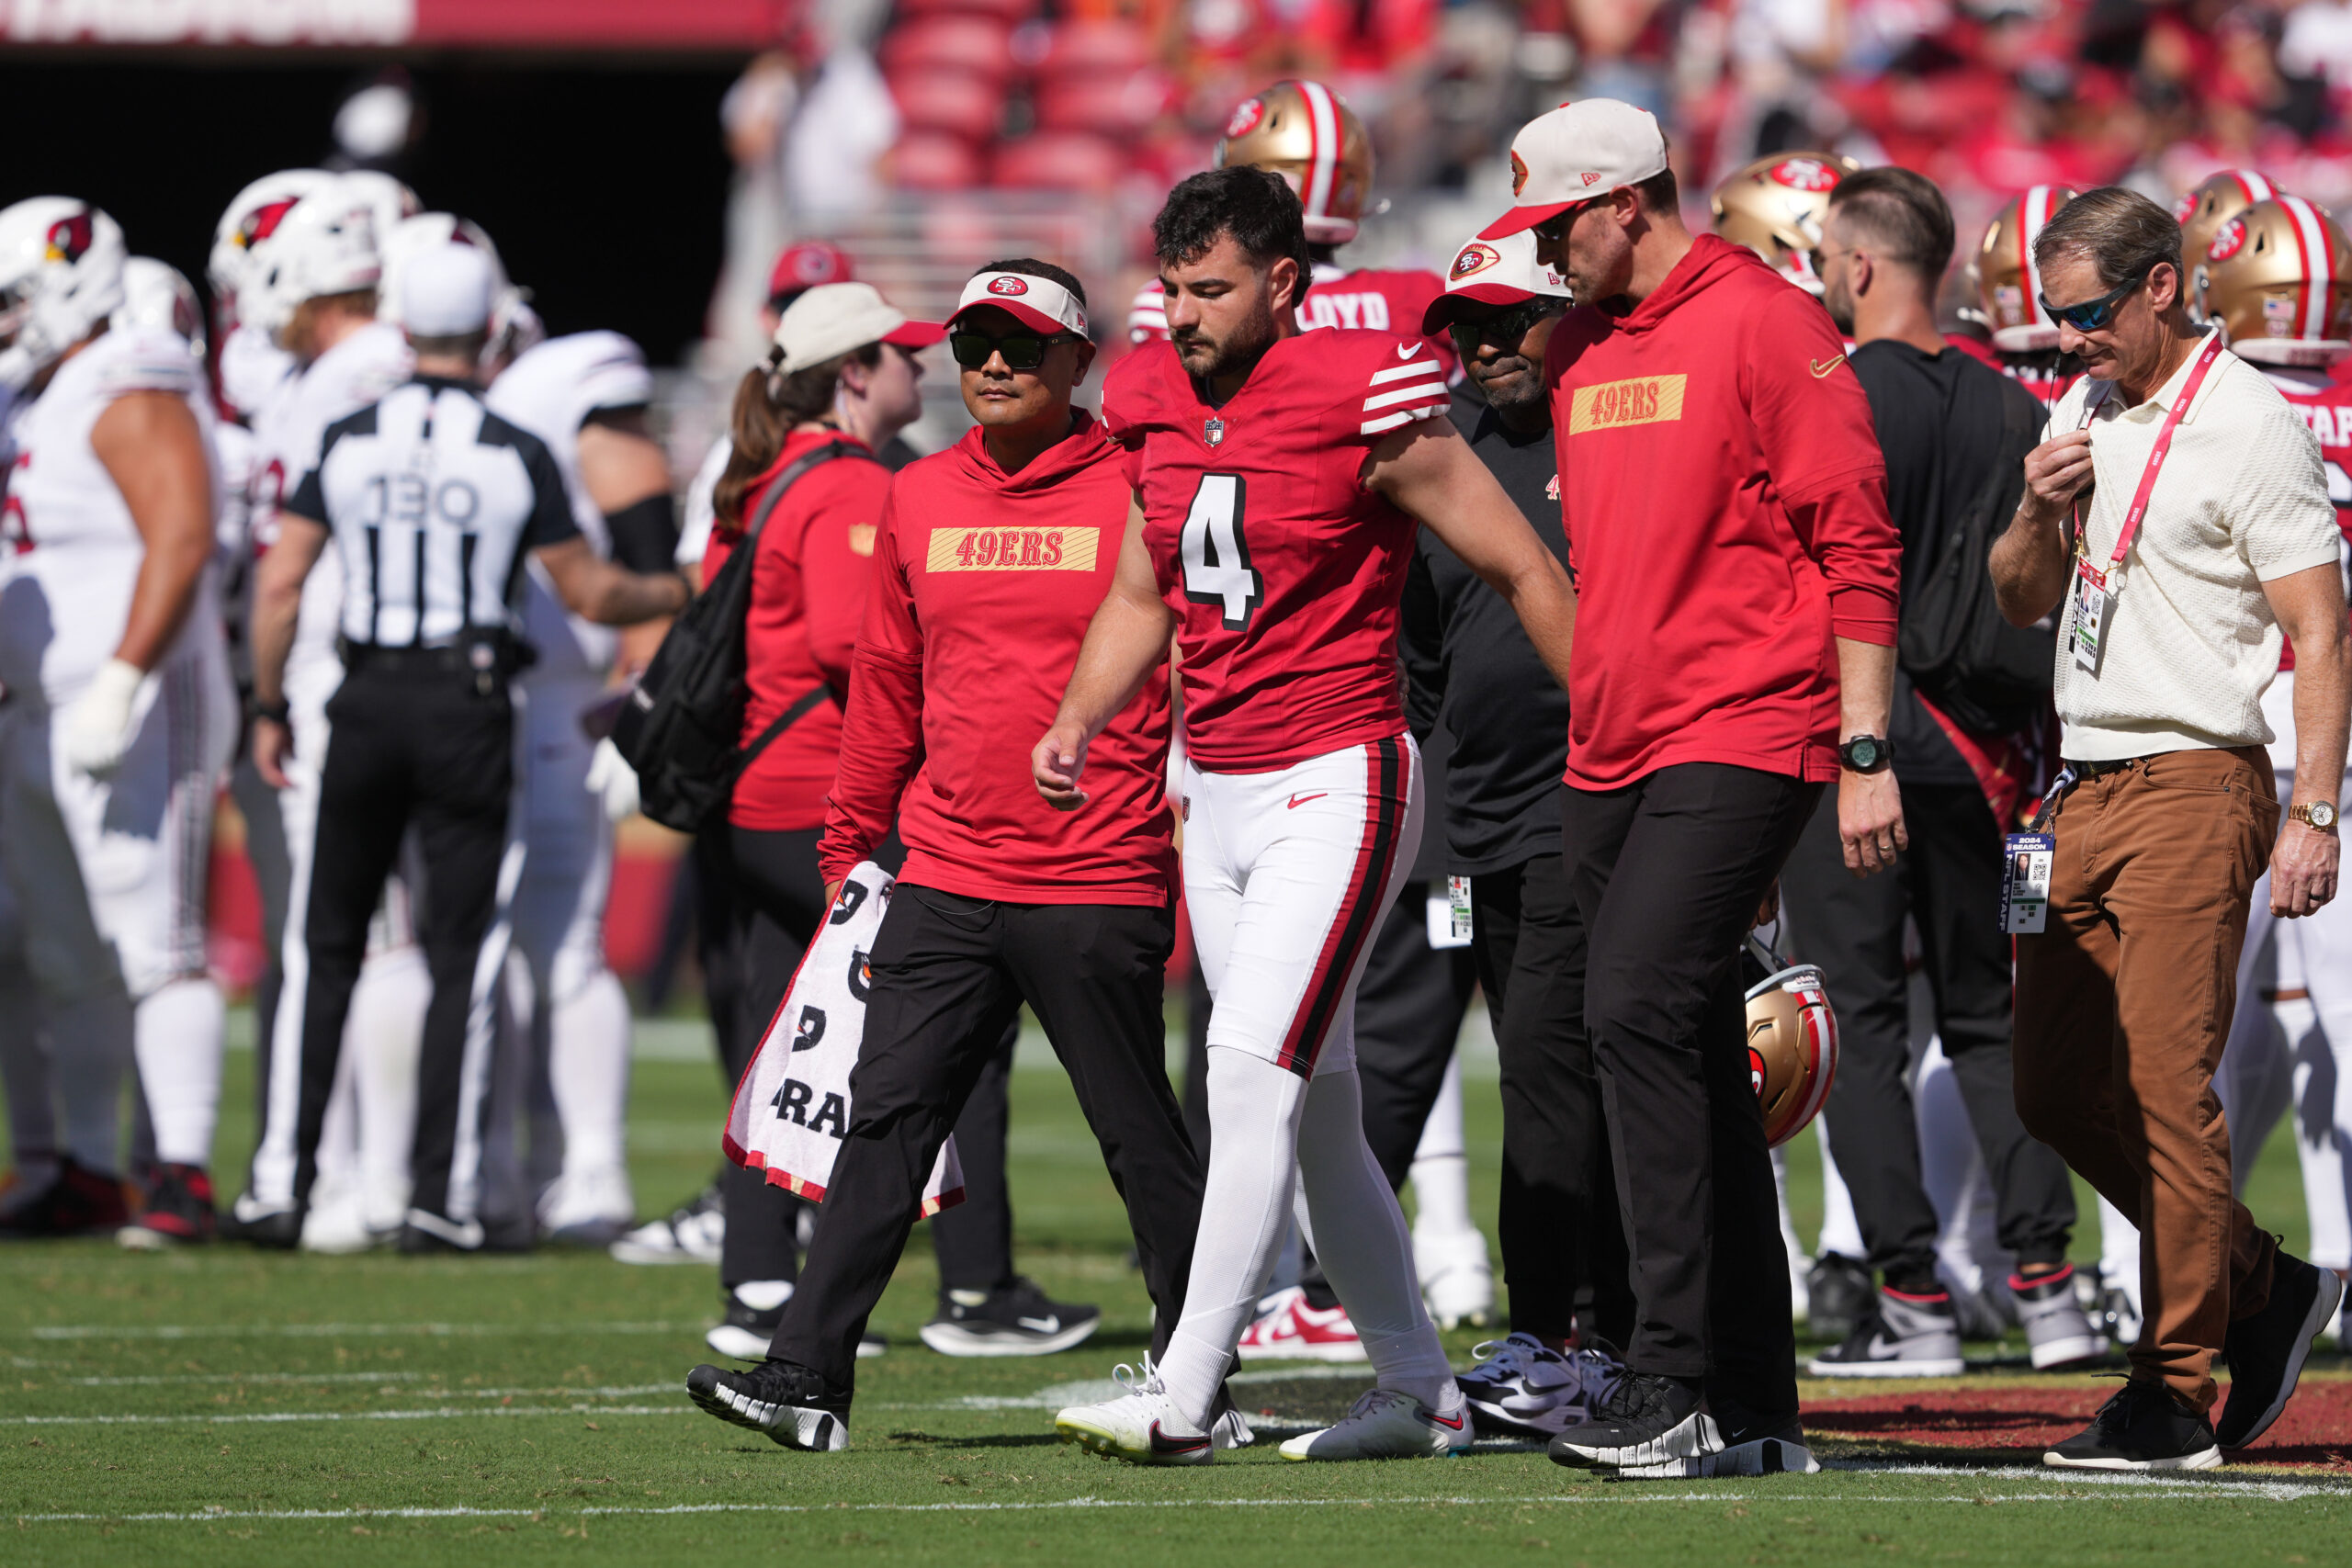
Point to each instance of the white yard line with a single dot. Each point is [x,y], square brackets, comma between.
[277,1416]
[342,1330]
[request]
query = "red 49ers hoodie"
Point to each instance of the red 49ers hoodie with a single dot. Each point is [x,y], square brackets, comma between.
[1726,507]
[984,584]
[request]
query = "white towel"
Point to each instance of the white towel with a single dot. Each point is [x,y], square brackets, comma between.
[791,1110]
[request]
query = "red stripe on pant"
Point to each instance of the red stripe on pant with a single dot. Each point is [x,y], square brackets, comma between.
[1360,911]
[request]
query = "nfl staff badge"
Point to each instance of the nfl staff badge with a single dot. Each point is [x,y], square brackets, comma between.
[1213,432]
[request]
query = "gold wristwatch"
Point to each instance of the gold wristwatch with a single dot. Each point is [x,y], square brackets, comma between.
[2319,813]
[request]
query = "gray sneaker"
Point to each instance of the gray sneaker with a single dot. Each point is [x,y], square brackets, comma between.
[1909,1336]
[2057,1330]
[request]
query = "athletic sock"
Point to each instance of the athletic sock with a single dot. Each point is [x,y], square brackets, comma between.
[1244,1214]
[763,1295]
[177,1032]
[384,1037]
[588,1041]
[96,1034]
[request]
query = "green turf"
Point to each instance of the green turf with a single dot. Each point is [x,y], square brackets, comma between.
[533,1404]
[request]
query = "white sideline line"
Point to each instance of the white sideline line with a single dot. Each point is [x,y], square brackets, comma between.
[2215,1491]
[298,1379]
[275,1417]
[342,1330]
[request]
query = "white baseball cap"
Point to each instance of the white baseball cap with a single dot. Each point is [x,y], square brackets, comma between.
[1578,153]
[447,292]
[833,319]
[1492,271]
[1038,302]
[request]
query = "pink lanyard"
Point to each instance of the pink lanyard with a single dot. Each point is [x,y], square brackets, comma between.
[2162,448]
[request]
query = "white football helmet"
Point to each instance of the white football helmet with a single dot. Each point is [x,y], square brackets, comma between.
[251,217]
[330,242]
[60,276]
[155,295]
[514,325]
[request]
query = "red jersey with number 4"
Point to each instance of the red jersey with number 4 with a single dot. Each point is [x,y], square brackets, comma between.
[2325,404]
[1284,573]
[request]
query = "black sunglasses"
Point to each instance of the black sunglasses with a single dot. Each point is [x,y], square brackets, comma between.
[1504,328]
[1021,351]
[2093,314]
[1555,228]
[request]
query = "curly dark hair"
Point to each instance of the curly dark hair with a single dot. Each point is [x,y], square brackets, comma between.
[1256,207]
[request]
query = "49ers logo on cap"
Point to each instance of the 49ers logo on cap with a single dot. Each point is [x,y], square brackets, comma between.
[2229,241]
[1246,117]
[1805,174]
[1518,173]
[1007,286]
[1473,258]
[69,238]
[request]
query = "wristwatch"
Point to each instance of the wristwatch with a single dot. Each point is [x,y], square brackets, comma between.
[2320,814]
[1867,753]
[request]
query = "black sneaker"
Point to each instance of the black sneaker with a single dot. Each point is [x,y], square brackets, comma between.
[2145,1427]
[77,1201]
[1646,1421]
[790,1403]
[1839,1297]
[279,1230]
[178,1210]
[2266,1351]
[1904,1337]
[426,1233]
[1016,1320]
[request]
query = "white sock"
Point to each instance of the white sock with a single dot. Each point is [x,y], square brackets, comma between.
[1245,1213]
[338,1179]
[384,1037]
[178,1032]
[588,1041]
[1841,1233]
[1361,1242]
[88,1069]
[1440,1172]
[763,1295]
[2119,1252]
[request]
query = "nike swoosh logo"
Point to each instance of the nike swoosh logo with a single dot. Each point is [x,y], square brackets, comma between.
[1299,800]
[1434,1419]
[1166,1445]
[1407,350]
[1047,1324]
[1820,369]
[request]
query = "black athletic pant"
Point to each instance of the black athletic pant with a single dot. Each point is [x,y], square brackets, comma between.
[1564,1248]
[949,974]
[1698,844]
[423,747]
[781,898]
[1949,881]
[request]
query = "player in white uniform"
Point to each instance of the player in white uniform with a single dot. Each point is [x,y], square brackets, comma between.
[119,715]
[311,286]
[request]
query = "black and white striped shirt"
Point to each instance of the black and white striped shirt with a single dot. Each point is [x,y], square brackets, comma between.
[433,500]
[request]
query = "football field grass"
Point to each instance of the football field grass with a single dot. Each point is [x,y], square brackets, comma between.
[231,1407]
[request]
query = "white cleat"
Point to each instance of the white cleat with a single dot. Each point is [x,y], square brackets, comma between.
[694,1234]
[339,1224]
[1231,1431]
[588,1207]
[1457,1281]
[1141,1425]
[1385,1424]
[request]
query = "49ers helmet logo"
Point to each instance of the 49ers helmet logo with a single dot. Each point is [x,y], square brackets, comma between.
[1805,174]
[1475,258]
[1518,174]
[2229,241]
[69,238]
[1246,115]
[1007,286]
[1756,1072]
[2185,207]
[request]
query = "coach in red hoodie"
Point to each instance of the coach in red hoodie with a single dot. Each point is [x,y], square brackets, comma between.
[989,561]
[1736,572]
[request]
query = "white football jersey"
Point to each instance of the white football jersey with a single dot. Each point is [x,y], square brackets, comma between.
[238,455]
[72,552]
[551,391]
[253,370]
[288,431]
[702,502]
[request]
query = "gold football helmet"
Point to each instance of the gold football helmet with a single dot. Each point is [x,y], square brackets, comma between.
[1792,1043]
[1776,207]
[2279,279]
[1303,131]
[2200,215]
[2007,283]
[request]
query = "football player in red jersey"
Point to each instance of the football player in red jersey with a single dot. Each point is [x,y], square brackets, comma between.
[1306,132]
[1278,480]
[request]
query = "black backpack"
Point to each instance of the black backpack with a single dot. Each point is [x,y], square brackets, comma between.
[1959,650]
[681,728]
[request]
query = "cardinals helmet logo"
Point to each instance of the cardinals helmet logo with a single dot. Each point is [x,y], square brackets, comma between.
[69,238]
[262,221]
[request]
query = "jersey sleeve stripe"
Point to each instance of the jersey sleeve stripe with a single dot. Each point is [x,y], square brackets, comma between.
[1414,393]
[1401,417]
[1399,372]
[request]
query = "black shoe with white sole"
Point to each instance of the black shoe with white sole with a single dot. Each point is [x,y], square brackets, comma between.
[2145,1427]
[746,1330]
[788,1403]
[1646,1421]
[1839,1296]
[2266,1351]
[1014,1320]
[1907,1336]
[1778,1450]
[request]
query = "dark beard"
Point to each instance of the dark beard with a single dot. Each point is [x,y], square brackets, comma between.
[1237,354]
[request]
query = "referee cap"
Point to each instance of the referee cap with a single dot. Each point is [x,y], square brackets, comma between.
[1492,271]
[1578,153]
[446,291]
[833,319]
[1037,302]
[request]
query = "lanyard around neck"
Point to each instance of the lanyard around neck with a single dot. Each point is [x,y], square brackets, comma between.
[2162,448]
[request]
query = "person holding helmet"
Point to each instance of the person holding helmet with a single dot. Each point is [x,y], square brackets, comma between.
[1777,205]
[433,499]
[118,714]
[2278,281]
[989,560]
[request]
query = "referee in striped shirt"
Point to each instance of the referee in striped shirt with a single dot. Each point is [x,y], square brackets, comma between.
[430,501]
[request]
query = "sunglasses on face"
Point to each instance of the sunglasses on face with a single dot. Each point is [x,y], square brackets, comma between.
[1505,328]
[2093,314]
[1021,351]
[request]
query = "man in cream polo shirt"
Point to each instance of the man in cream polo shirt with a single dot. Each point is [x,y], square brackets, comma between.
[2177,522]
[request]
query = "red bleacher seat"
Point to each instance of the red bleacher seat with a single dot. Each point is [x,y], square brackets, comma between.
[930,159]
[1059,160]
[956,42]
[960,103]
[1006,11]
[1110,47]
[1115,103]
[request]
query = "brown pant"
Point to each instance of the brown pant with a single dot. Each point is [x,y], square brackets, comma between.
[2123,1004]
